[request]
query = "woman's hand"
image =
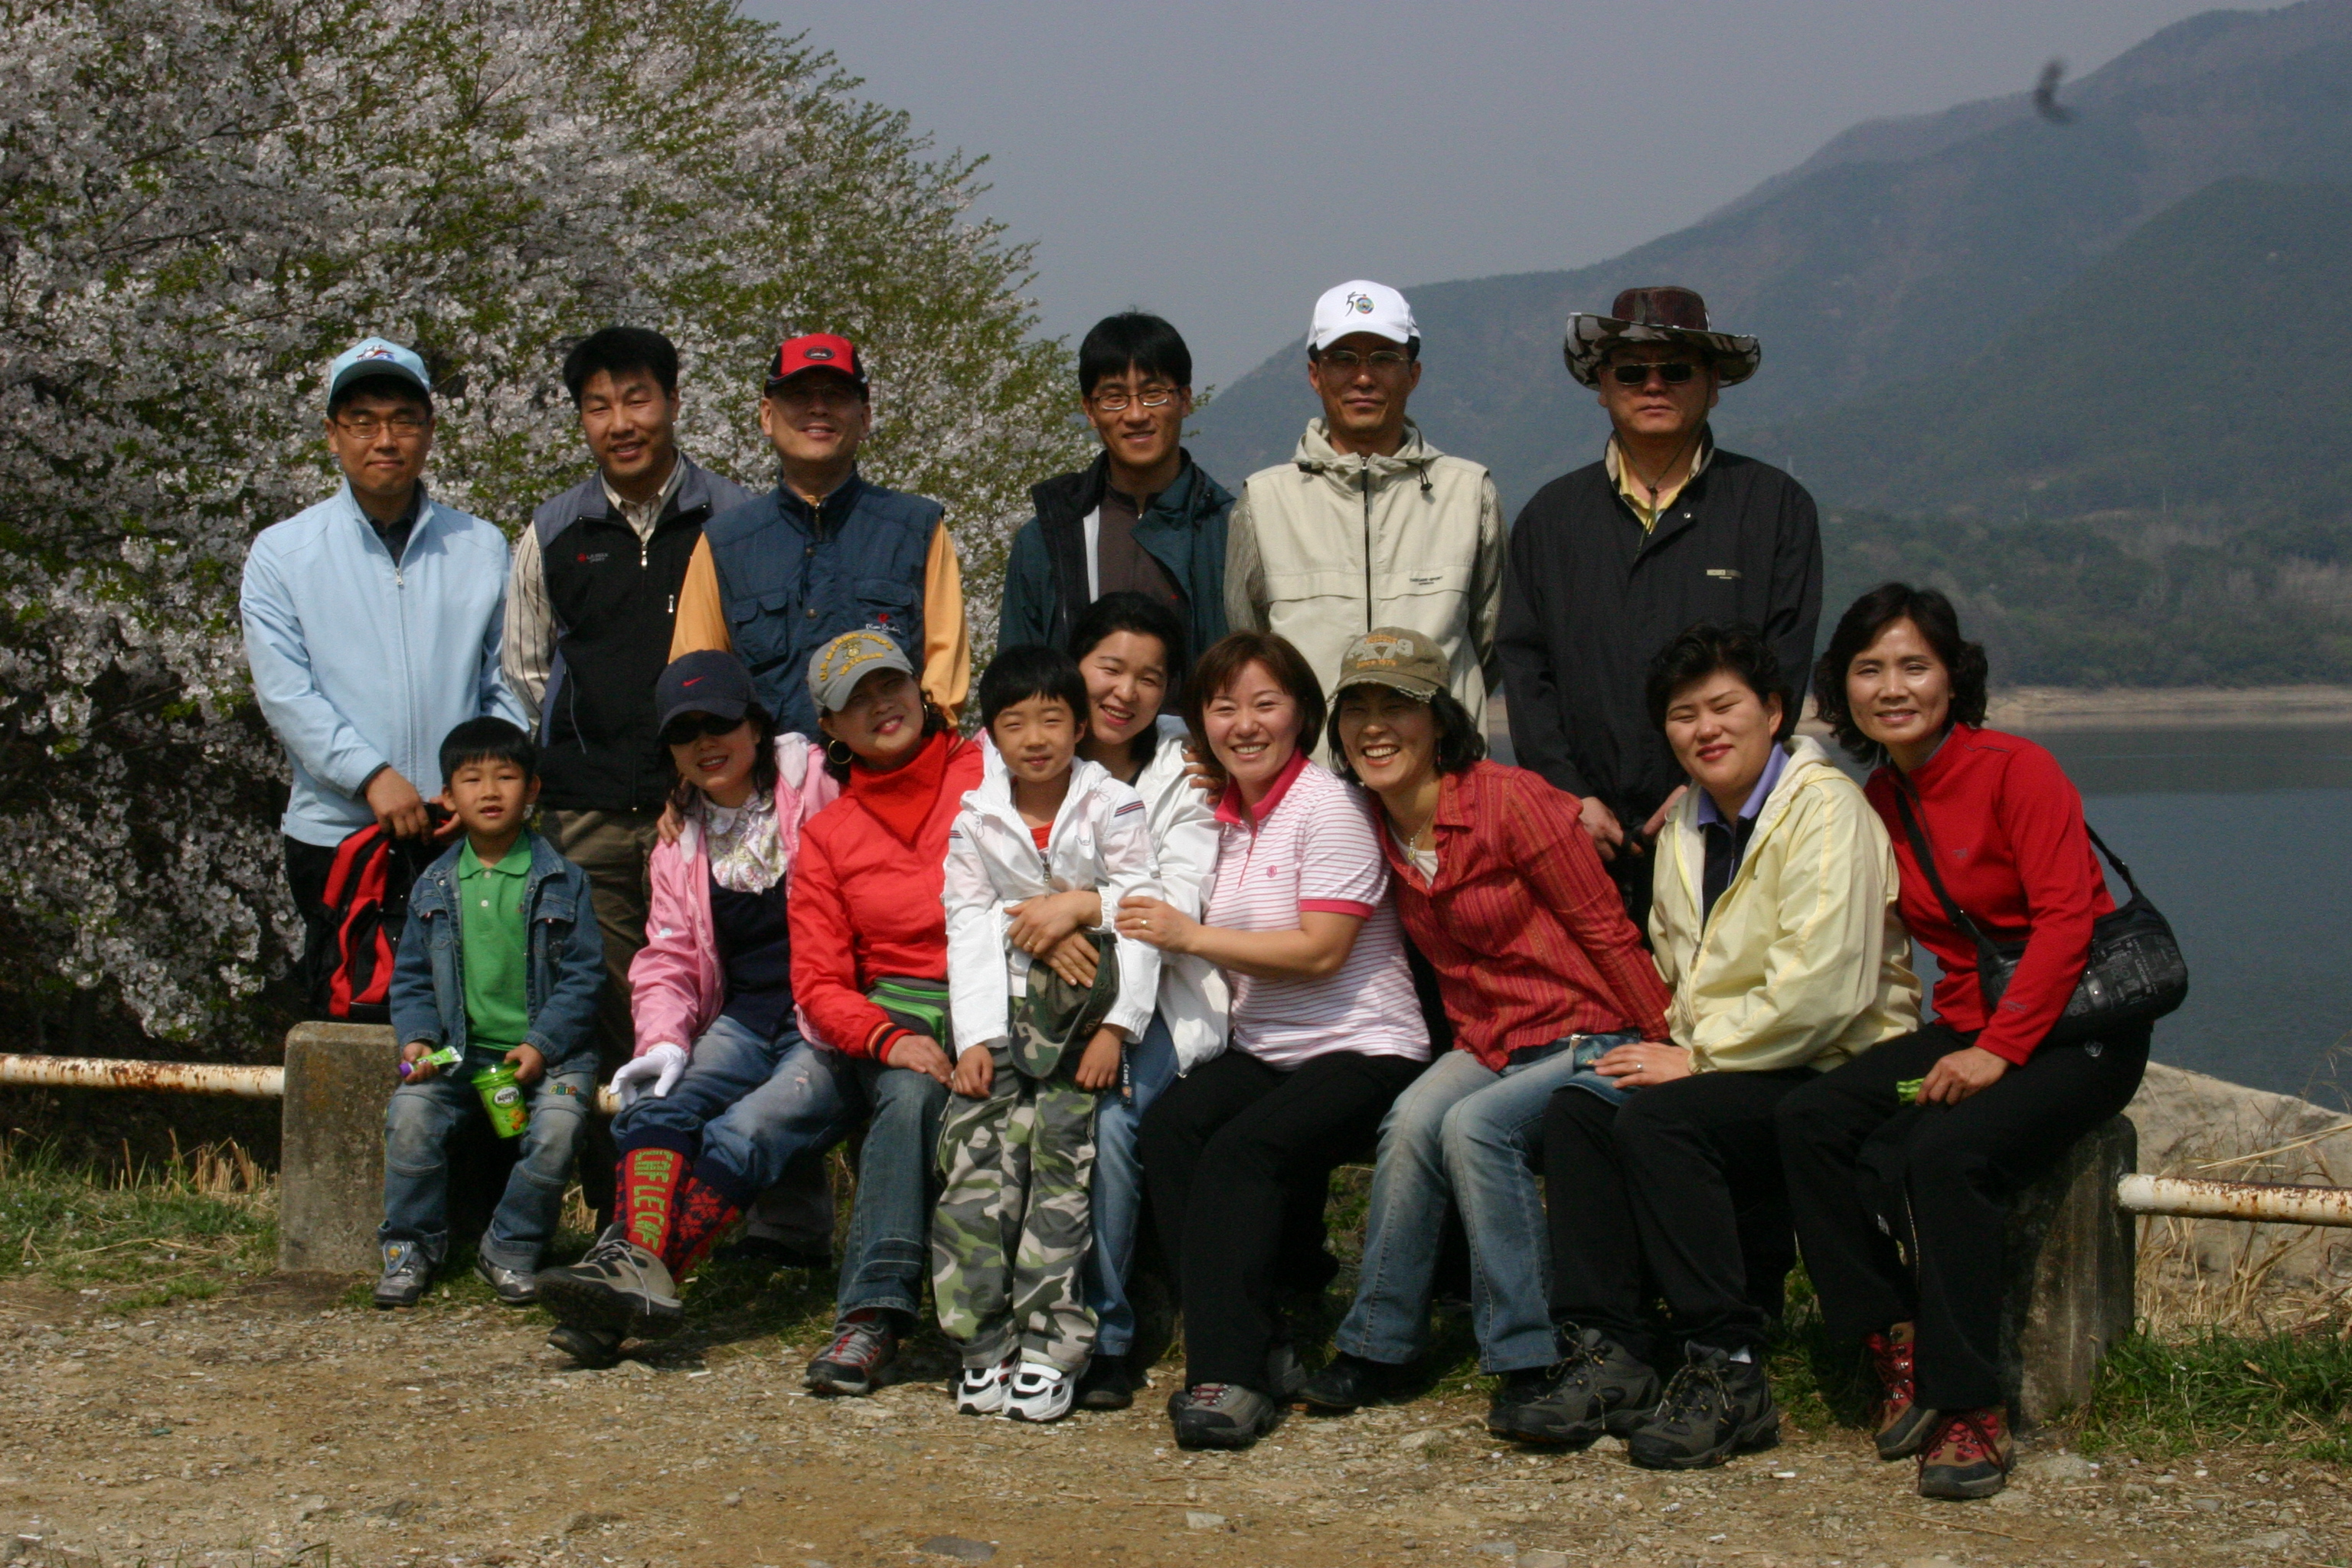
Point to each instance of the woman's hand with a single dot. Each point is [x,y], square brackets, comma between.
[1965,1072]
[1074,960]
[976,1073]
[1038,925]
[920,1053]
[1157,923]
[1098,1068]
[1643,1063]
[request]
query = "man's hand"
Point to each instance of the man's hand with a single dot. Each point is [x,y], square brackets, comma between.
[413,1054]
[399,809]
[920,1053]
[1200,775]
[1600,823]
[1039,924]
[1074,960]
[672,823]
[656,1073]
[1644,1063]
[976,1073]
[1658,817]
[1098,1068]
[529,1064]
[1969,1071]
[1156,921]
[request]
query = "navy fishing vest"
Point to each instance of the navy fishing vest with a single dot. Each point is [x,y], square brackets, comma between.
[792,579]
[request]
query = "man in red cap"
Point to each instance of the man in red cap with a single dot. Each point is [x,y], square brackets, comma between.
[826,551]
[1610,562]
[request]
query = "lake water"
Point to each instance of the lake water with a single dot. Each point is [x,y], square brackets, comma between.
[2243,838]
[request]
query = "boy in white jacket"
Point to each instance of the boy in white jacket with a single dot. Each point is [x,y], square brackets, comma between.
[1010,1237]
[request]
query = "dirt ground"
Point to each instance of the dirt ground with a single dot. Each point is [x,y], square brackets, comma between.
[283,1422]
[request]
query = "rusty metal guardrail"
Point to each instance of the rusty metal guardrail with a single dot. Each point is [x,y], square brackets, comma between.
[2275,1203]
[170,1077]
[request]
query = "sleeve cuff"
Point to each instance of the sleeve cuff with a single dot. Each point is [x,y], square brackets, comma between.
[1362,911]
[2009,1051]
[885,1035]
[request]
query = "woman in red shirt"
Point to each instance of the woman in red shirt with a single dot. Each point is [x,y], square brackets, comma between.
[1945,1126]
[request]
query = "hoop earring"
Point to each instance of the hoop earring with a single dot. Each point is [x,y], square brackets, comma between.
[837,753]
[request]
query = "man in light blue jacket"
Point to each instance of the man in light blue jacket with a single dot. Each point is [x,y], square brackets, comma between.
[371,624]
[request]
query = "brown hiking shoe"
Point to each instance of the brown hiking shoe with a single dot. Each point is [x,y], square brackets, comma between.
[1904,1423]
[1969,1456]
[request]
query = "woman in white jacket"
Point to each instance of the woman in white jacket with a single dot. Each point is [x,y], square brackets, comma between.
[1130,649]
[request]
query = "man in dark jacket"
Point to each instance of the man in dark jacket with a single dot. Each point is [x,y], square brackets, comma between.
[1610,563]
[1143,516]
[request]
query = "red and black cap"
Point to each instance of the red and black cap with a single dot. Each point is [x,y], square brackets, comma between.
[816,351]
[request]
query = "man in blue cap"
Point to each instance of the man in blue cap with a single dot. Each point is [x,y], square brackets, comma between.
[372,625]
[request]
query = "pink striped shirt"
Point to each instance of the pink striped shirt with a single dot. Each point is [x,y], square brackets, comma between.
[1313,846]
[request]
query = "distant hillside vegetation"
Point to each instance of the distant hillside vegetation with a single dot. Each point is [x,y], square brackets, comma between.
[2145,481]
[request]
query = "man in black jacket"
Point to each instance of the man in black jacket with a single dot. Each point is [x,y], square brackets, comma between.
[1610,563]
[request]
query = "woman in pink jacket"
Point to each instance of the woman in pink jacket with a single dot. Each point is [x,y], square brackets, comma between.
[720,1097]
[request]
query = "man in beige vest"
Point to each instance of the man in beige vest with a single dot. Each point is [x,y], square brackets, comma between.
[1368,525]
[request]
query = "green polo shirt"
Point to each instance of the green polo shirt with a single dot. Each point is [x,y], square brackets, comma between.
[496,945]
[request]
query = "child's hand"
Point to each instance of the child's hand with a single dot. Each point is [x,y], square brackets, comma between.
[1039,924]
[1074,960]
[412,1056]
[1098,1068]
[976,1073]
[529,1064]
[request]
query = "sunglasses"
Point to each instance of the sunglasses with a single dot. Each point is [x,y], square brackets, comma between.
[1673,372]
[693,726]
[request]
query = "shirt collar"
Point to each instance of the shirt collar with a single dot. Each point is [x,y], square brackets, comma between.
[516,862]
[644,518]
[1230,809]
[835,506]
[1637,495]
[1709,815]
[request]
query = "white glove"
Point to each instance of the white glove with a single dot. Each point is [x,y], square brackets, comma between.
[661,1065]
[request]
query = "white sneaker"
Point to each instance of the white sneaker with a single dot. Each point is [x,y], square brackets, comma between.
[981,1390]
[1039,1392]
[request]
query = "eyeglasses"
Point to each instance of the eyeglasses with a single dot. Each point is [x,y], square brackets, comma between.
[694,726]
[1116,402]
[1384,361]
[1673,372]
[827,395]
[367,426]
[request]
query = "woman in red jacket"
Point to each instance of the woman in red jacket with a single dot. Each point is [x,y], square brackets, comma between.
[869,973]
[1941,1128]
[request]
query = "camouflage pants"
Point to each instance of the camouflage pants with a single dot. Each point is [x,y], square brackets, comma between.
[1009,1239]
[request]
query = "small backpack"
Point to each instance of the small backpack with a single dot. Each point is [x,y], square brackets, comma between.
[367,902]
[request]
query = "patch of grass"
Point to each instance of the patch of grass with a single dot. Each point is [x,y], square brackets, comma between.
[2168,1396]
[172,1232]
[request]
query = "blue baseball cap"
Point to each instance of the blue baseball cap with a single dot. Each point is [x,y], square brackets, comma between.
[707,682]
[376,356]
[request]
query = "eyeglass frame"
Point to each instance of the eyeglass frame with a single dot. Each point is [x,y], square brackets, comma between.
[1149,398]
[1380,362]
[405,424]
[1689,368]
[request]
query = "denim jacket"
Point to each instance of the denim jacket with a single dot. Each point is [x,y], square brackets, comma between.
[561,980]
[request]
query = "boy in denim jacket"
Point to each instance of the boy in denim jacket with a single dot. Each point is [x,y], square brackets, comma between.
[501,961]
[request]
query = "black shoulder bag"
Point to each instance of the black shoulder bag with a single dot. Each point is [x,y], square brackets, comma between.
[2134,972]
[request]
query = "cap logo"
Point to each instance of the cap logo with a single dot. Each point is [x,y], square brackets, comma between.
[691,680]
[816,353]
[1360,303]
[378,351]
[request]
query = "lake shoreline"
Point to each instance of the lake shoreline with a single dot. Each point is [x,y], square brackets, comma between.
[2044,708]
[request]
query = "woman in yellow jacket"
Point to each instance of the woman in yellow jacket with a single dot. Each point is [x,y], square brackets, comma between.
[1772,921]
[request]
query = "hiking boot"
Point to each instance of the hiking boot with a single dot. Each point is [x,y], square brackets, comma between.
[1040,1392]
[1286,1374]
[1714,1409]
[619,1287]
[1106,1385]
[1348,1382]
[513,1287]
[595,1349]
[981,1390]
[1904,1423]
[1968,1458]
[1221,1416]
[1599,1386]
[406,1272]
[863,1348]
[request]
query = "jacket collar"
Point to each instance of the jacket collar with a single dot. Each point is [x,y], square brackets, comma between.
[690,488]
[1805,759]
[1674,518]
[1066,499]
[1316,455]
[993,798]
[827,519]
[427,508]
[436,890]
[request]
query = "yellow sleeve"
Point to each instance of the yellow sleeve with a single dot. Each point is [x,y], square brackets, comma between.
[947,640]
[701,619]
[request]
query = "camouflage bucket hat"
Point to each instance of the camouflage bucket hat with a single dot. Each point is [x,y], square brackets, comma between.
[1660,315]
[1056,1016]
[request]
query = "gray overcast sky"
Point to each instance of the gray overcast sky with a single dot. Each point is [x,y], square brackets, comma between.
[1221,162]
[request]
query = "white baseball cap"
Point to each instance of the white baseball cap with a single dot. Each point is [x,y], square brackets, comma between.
[1360,305]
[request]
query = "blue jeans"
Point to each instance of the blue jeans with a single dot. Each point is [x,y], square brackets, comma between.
[417,1127]
[757,1105]
[1464,1134]
[1118,1188]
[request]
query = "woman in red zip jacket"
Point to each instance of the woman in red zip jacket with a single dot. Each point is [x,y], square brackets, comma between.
[1948,1123]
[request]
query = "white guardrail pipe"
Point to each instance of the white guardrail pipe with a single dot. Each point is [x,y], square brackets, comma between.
[2270,1202]
[170,1077]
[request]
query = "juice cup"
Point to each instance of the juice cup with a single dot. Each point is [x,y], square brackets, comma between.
[503,1097]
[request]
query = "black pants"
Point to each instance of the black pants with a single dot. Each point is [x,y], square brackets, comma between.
[1222,1149]
[1680,1188]
[306,868]
[1860,1164]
